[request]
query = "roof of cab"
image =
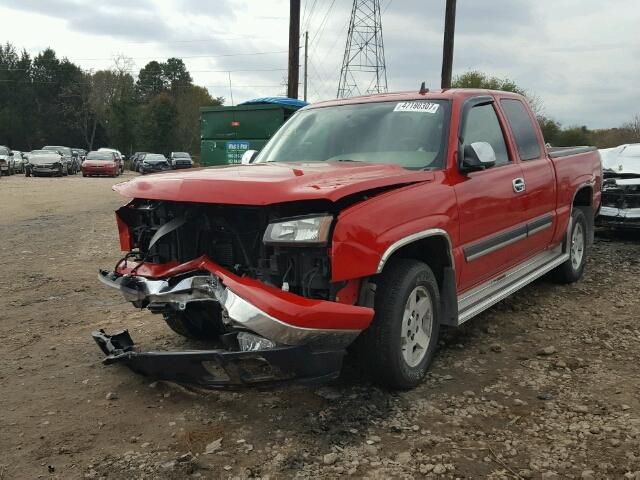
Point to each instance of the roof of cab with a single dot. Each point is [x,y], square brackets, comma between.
[444,94]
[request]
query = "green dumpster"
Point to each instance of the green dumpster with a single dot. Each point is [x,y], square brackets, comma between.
[228,132]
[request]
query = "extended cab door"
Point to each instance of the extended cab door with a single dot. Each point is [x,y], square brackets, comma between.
[491,208]
[537,172]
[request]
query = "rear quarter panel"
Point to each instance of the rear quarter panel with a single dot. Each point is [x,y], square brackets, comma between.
[574,172]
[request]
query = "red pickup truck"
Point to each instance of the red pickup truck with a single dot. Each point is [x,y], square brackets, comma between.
[364,223]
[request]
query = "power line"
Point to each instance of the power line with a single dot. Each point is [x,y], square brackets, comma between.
[188,56]
[323,22]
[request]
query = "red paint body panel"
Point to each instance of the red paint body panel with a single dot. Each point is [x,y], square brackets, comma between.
[364,231]
[284,306]
[266,184]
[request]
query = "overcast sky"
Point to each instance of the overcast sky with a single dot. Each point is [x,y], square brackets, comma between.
[581,57]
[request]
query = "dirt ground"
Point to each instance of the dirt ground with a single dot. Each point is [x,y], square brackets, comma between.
[544,385]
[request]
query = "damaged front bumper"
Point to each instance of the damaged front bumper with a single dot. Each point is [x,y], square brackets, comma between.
[618,217]
[223,368]
[247,304]
[305,338]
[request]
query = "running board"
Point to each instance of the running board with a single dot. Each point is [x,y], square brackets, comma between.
[480,298]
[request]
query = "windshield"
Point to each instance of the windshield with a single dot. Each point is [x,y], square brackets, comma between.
[181,155]
[42,152]
[62,150]
[154,158]
[411,134]
[100,156]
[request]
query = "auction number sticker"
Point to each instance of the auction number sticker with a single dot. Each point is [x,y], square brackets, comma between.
[417,106]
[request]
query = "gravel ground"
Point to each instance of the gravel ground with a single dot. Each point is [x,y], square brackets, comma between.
[544,385]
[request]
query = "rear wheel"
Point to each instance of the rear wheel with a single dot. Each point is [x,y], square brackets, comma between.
[200,321]
[398,346]
[573,268]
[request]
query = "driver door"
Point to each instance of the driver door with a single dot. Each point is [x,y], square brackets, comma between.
[492,223]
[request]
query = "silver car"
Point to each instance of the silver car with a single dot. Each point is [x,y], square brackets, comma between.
[6,161]
[18,161]
[45,162]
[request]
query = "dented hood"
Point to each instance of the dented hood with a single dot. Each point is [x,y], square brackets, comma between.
[270,183]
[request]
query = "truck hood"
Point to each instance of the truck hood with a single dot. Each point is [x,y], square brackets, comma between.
[270,183]
[622,165]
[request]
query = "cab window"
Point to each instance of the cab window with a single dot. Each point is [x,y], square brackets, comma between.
[522,127]
[482,125]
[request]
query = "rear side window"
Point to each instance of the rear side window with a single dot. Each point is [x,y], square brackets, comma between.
[482,126]
[523,129]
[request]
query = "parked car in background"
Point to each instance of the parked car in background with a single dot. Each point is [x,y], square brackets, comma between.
[72,165]
[154,162]
[181,160]
[118,155]
[101,163]
[621,187]
[18,161]
[134,160]
[6,161]
[80,153]
[46,162]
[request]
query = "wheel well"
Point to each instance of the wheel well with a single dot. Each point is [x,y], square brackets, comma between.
[583,200]
[583,197]
[434,251]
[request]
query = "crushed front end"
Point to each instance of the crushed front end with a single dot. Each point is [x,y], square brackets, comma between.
[620,202]
[255,281]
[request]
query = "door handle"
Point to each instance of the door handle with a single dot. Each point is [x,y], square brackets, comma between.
[518,185]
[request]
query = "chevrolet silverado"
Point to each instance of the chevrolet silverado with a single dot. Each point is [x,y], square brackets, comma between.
[365,223]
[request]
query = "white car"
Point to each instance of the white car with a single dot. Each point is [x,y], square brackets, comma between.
[620,187]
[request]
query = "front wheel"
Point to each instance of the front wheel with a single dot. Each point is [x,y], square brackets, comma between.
[398,346]
[572,269]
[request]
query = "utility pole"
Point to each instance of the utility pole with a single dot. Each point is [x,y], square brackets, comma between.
[306,62]
[294,48]
[447,46]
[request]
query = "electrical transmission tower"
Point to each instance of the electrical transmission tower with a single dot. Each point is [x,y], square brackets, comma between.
[363,63]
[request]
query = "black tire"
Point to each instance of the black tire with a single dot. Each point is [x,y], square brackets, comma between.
[572,270]
[27,173]
[380,346]
[200,321]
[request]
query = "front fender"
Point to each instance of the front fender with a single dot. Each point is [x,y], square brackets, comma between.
[364,232]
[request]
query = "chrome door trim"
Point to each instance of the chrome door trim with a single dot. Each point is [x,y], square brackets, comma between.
[432,232]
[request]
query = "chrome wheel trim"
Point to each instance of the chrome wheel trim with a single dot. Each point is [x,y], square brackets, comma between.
[577,246]
[417,319]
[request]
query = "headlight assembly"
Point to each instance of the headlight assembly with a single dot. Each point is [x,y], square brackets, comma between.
[308,230]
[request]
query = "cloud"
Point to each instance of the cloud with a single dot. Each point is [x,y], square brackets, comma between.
[582,62]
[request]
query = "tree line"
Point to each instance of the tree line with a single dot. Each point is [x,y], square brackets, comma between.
[553,131]
[46,100]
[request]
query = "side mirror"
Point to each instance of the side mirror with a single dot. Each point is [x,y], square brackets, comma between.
[478,156]
[248,157]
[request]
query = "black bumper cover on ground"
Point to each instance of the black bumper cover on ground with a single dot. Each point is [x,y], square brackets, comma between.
[222,368]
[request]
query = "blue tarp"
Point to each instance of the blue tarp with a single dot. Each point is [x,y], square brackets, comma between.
[289,102]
